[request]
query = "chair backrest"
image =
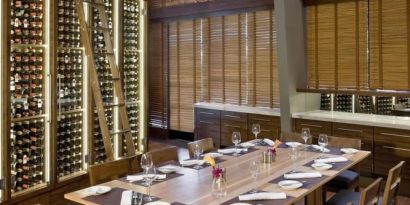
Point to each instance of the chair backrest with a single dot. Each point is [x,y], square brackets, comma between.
[370,194]
[342,142]
[392,184]
[166,154]
[108,171]
[293,137]
[207,145]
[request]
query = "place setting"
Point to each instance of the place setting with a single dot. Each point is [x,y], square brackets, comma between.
[293,180]
[238,149]
[323,163]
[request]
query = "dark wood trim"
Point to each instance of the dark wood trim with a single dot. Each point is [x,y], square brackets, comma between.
[207,9]
[5,82]
[53,95]
[315,2]
[357,92]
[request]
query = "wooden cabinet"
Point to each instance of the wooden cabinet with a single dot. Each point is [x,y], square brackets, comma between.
[391,147]
[208,124]
[219,125]
[364,133]
[233,122]
[270,126]
[316,127]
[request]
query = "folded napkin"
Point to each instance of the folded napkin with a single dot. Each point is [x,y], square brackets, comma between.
[213,154]
[247,144]
[232,150]
[126,197]
[262,196]
[141,177]
[192,162]
[319,148]
[331,159]
[269,141]
[302,175]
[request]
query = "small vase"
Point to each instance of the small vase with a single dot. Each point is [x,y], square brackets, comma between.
[219,187]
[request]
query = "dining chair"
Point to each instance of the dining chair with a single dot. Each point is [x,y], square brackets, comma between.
[293,137]
[166,154]
[369,196]
[111,170]
[391,188]
[348,179]
[207,145]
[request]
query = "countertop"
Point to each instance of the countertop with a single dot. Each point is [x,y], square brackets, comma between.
[239,108]
[397,122]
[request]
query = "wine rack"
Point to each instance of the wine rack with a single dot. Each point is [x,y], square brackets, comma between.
[69,91]
[404,101]
[105,79]
[325,101]
[27,154]
[343,103]
[27,95]
[69,144]
[131,66]
[364,104]
[384,105]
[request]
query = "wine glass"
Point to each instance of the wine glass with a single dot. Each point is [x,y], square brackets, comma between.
[305,135]
[146,161]
[323,141]
[150,174]
[236,139]
[256,129]
[198,150]
[255,170]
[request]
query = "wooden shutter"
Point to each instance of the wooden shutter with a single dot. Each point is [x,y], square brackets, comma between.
[224,59]
[157,76]
[216,60]
[389,44]
[337,45]
[231,55]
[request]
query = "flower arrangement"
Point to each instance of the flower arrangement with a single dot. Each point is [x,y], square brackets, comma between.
[216,171]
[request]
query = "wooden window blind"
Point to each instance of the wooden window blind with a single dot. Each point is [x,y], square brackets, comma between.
[223,59]
[158,110]
[389,44]
[337,44]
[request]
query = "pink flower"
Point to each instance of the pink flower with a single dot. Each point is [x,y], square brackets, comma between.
[272,151]
[217,172]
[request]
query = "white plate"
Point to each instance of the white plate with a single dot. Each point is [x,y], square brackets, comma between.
[321,166]
[293,144]
[241,204]
[349,150]
[290,184]
[168,169]
[158,203]
[97,190]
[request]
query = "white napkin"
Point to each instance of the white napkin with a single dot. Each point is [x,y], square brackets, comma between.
[141,177]
[192,162]
[262,196]
[126,197]
[213,154]
[331,159]
[232,150]
[302,175]
[269,141]
[319,148]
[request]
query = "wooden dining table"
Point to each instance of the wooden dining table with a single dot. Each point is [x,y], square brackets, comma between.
[194,186]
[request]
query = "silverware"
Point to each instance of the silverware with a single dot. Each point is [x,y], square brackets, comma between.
[134,198]
[140,198]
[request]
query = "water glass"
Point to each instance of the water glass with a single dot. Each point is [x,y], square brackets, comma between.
[305,134]
[150,174]
[255,170]
[236,139]
[323,141]
[198,150]
[146,161]
[295,153]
